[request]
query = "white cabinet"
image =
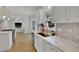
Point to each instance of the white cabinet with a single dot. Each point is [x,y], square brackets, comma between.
[40,16]
[74,11]
[73,14]
[37,17]
[42,45]
[50,48]
[5,40]
[59,14]
[38,43]
[65,14]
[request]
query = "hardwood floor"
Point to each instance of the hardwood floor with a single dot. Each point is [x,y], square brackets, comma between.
[22,43]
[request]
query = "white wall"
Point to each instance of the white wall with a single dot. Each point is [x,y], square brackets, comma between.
[23,13]
[5,24]
[26,23]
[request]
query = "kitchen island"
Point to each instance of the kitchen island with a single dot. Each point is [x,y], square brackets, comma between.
[13,33]
[5,40]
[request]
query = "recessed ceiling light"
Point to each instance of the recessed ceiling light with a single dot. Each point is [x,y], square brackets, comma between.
[8,18]
[49,7]
[4,16]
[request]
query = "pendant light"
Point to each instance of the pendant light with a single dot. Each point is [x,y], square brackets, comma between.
[6,13]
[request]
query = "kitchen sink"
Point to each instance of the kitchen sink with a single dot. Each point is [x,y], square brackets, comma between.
[44,35]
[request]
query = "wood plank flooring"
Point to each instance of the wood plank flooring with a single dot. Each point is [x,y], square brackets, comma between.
[22,43]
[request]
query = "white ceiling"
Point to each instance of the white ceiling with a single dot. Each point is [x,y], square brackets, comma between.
[21,10]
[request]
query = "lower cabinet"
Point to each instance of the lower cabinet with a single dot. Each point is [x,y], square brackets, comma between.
[38,43]
[50,48]
[42,45]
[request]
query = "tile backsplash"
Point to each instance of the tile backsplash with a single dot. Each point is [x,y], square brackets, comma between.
[68,30]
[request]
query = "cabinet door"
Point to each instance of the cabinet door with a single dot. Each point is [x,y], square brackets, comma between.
[50,48]
[36,41]
[39,43]
[74,14]
[59,14]
[53,14]
[37,15]
[42,16]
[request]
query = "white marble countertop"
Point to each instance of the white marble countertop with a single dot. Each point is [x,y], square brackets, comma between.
[62,43]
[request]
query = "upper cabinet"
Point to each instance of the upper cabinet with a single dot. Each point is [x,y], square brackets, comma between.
[65,14]
[37,16]
[73,14]
[59,14]
[40,16]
